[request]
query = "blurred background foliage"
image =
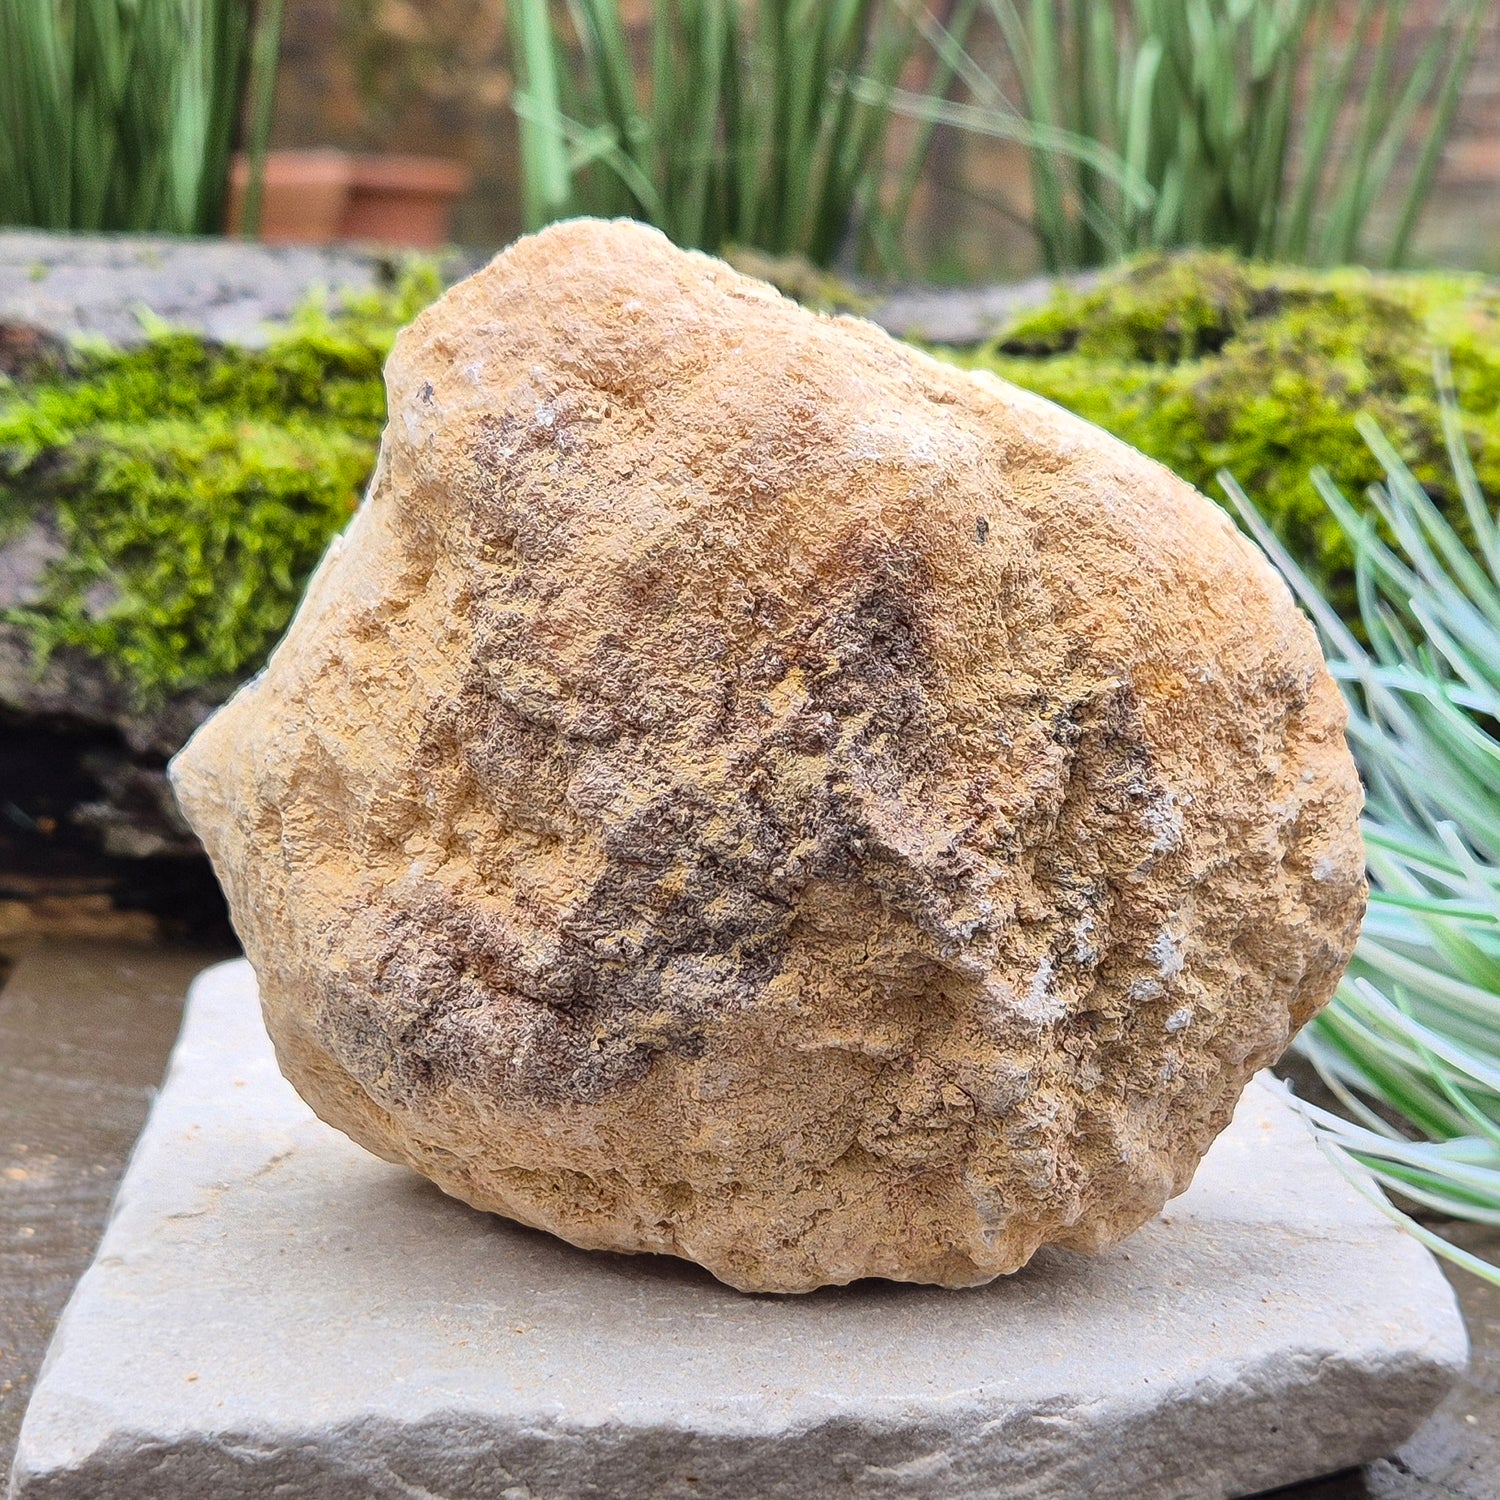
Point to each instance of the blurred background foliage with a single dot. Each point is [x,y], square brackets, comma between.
[436,77]
[1269,127]
[122,114]
[934,138]
[747,129]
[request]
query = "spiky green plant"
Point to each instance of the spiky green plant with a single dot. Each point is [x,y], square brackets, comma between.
[121,114]
[1410,1046]
[1263,126]
[748,130]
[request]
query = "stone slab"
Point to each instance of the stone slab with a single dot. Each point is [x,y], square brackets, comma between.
[273,1311]
[968,314]
[231,291]
[67,285]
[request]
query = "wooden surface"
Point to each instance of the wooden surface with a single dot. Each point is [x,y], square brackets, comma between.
[85,1029]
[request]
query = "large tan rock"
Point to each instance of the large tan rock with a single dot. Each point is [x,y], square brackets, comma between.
[746,790]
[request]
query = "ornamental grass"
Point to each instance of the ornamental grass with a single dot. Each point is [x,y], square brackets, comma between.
[1410,1046]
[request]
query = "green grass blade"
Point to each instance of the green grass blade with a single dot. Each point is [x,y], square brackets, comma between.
[546,182]
[264,53]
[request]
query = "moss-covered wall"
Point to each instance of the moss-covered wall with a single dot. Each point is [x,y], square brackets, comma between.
[193,488]
[1209,364]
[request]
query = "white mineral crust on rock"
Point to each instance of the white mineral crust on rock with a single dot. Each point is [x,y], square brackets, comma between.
[745,790]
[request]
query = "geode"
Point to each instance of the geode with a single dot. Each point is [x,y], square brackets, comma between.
[746,790]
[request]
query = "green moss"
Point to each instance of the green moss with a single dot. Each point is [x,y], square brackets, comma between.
[1207,363]
[194,487]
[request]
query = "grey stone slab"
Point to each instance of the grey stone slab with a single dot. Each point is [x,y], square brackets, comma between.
[966,314]
[65,285]
[958,315]
[272,1311]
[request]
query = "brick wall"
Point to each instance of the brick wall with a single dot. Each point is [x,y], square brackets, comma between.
[431,76]
[425,76]
[1463,223]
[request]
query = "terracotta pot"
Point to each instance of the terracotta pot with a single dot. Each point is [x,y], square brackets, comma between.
[319,197]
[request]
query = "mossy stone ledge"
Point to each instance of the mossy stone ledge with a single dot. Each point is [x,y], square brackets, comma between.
[162,502]
[1208,363]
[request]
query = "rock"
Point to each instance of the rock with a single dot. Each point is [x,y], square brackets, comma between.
[961,316]
[25,556]
[56,288]
[135,813]
[89,828]
[72,685]
[745,790]
[273,1312]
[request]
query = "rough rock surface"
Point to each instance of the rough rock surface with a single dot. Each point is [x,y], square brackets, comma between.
[92,840]
[745,790]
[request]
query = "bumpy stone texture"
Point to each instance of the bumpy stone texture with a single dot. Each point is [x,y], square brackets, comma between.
[745,790]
